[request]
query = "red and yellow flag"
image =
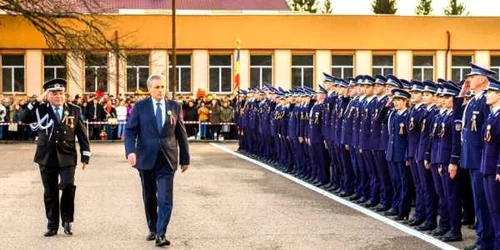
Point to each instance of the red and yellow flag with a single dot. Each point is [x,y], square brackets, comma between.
[237,68]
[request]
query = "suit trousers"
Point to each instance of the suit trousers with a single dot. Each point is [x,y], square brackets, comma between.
[157,194]
[51,185]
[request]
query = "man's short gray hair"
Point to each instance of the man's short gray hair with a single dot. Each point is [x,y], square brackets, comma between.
[154,77]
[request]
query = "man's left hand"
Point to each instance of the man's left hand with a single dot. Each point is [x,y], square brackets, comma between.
[184,168]
[84,165]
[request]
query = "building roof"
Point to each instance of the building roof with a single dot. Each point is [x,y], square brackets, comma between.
[272,5]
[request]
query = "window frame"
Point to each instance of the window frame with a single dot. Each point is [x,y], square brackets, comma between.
[302,67]
[219,67]
[13,68]
[261,68]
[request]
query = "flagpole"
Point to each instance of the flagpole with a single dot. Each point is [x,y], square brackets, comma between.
[237,76]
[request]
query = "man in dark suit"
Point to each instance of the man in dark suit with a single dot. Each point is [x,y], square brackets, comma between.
[57,123]
[155,142]
[95,114]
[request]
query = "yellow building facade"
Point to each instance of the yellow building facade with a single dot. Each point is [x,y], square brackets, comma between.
[284,49]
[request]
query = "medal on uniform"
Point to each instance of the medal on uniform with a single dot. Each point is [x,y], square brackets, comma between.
[434,129]
[441,134]
[71,120]
[412,124]
[473,121]
[366,113]
[423,126]
[357,113]
[487,137]
[376,113]
[316,120]
[401,128]
[341,113]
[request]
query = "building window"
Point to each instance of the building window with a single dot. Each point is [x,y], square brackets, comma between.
[302,70]
[460,67]
[183,73]
[423,68]
[137,72]
[383,65]
[13,73]
[221,79]
[54,66]
[261,70]
[343,66]
[96,73]
[495,64]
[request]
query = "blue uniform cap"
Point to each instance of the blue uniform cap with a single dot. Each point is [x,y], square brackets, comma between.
[359,79]
[380,79]
[450,89]
[394,81]
[342,83]
[351,81]
[321,90]
[400,93]
[430,86]
[406,84]
[494,84]
[441,80]
[328,78]
[368,80]
[478,70]
[417,86]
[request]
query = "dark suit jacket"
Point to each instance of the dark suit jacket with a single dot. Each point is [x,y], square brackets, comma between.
[59,139]
[143,138]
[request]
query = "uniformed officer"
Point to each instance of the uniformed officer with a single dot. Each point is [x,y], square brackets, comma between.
[490,158]
[397,150]
[474,116]
[316,139]
[57,123]
[448,152]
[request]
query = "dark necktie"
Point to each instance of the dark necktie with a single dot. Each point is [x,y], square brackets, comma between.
[57,114]
[159,123]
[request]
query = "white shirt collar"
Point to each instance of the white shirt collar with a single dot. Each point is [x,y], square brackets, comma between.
[495,109]
[381,97]
[369,99]
[478,95]
[402,111]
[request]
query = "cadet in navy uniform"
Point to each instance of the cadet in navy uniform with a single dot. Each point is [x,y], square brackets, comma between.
[361,174]
[397,150]
[379,139]
[344,159]
[316,140]
[448,152]
[430,198]
[475,114]
[490,158]
[57,123]
[414,126]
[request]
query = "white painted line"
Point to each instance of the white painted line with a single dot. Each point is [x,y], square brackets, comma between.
[374,215]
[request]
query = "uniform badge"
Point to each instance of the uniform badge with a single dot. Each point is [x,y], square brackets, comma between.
[401,128]
[423,125]
[473,125]
[458,126]
[441,133]
[487,137]
[71,122]
[412,123]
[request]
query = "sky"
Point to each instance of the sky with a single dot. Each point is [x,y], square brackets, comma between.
[407,7]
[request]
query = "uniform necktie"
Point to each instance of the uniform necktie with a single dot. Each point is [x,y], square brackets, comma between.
[159,123]
[57,114]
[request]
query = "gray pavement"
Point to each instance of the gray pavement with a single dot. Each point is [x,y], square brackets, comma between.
[222,202]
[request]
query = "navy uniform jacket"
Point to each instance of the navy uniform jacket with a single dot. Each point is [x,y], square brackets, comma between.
[398,137]
[356,122]
[431,153]
[415,118]
[490,160]
[238,113]
[146,141]
[330,101]
[449,132]
[378,128]
[275,120]
[304,120]
[476,112]
[348,121]
[314,133]
[293,122]
[338,115]
[426,127]
[366,141]
[59,138]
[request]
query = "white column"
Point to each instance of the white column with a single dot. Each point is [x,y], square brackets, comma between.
[112,79]
[200,70]
[482,58]
[440,66]
[323,63]
[283,69]
[363,62]
[76,73]
[34,72]
[403,67]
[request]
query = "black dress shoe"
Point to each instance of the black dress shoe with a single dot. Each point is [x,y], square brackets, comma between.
[426,227]
[391,212]
[344,194]
[67,228]
[381,208]
[151,236]
[476,247]
[451,237]
[370,204]
[50,233]
[400,217]
[354,197]
[361,200]
[439,232]
[416,222]
[162,241]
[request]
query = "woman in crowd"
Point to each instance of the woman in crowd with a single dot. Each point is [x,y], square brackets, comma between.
[121,114]
[203,114]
